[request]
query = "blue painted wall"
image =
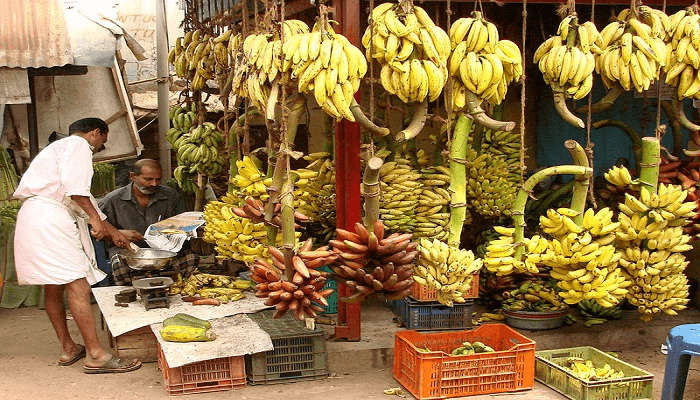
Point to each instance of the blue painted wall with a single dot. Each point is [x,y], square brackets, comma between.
[610,143]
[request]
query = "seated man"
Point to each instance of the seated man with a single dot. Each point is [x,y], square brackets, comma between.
[134,207]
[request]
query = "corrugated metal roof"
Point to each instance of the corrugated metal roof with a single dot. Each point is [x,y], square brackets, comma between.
[33,34]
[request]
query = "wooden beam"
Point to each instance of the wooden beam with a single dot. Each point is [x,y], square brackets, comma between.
[55,71]
[32,129]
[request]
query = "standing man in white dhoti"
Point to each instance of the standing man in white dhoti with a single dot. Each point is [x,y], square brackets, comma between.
[52,240]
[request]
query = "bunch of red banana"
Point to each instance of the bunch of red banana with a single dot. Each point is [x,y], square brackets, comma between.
[254,210]
[371,263]
[306,287]
[685,173]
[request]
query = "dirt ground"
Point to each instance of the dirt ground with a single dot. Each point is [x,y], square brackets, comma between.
[28,353]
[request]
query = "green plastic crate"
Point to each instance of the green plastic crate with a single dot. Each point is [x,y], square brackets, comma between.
[332,307]
[299,353]
[636,384]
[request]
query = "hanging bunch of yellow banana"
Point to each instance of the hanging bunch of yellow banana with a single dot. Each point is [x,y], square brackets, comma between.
[411,49]
[683,58]
[432,212]
[400,190]
[314,195]
[249,181]
[327,65]
[583,257]
[481,67]
[198,56]
[567,61]
[633,49]
[501,259]
[262,55]
[650,244]
[490,191]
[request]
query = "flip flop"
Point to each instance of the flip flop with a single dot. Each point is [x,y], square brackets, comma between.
[113,366]
[80,354]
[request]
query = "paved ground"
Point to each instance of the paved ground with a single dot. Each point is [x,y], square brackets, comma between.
[28,351]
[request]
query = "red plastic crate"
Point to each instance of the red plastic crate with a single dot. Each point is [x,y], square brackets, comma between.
[437,375]
[423,293]
[214,375]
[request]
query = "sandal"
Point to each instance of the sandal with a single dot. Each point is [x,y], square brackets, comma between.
[114,365]
[78,355]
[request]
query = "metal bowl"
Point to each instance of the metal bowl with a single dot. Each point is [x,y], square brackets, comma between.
[536,320]
[146,259]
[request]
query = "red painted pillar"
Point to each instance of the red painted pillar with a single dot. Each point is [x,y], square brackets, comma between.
[348,173]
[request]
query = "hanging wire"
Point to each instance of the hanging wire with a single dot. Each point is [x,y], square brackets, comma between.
[657,131]
[589,142]
[522,99]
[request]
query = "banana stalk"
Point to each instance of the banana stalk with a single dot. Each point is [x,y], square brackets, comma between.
[417,123]
[287,224]
[365,122]
[272,102]
[631,133]
[682,118]
[458,178]
[280,164]
[560,105]
[480,116]
[370,191]
[580,190]
[606,102]
[518,212]
[649,171]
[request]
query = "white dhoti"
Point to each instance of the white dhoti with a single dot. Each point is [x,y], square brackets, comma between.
[52,244]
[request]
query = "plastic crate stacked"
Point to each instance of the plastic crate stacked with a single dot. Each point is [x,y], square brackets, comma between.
[214,375]
[424,366]
[637,384]
[299,353]
[421,311]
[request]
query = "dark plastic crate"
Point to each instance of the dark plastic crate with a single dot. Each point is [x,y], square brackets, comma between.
[420,315]
[299,353]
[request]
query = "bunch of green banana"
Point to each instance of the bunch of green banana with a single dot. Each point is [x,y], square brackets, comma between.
[432,213]
[467,349]
[481,66]
[583,257]
[400,190]
[181,120]
[448,270]
[489,191]
[184,179]
[683,53]
[596,314]
[633,49]
[262,53]
[249,181]
[314,194]
[198,150]
[327,65]
[650,243]
[533,295]
[506,145]
[567,61]
[411,49]
[500,253]
[585,370]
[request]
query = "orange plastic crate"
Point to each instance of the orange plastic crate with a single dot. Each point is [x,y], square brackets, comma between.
[437,375]
[423,293]
[214,375]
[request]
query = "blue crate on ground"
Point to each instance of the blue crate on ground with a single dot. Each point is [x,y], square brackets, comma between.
[332,307]
[434,315]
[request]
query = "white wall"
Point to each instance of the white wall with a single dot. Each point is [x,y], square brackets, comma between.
[139,19]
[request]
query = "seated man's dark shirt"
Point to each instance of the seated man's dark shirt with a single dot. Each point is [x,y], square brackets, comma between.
[124,212]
